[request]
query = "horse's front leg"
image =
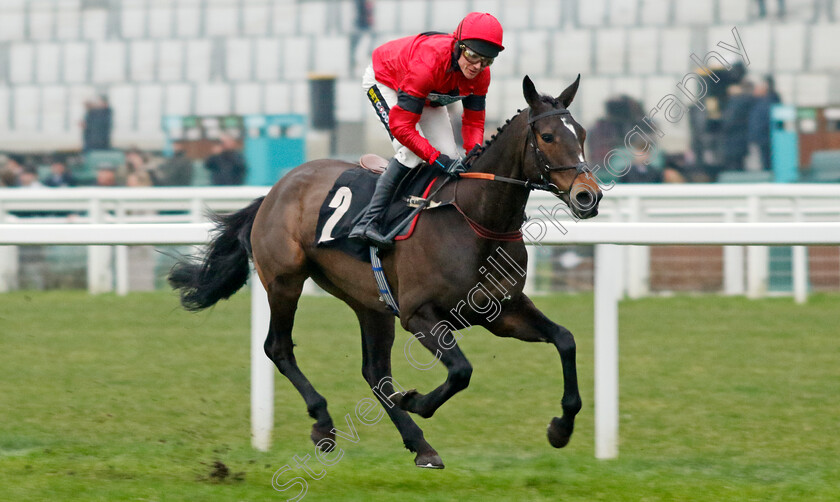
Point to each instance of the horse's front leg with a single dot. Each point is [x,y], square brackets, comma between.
[425,325]
[522,320]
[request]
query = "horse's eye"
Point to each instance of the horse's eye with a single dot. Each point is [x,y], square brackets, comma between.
[548,138]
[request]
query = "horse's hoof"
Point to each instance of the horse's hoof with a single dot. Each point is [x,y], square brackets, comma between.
[319,433]
[428,461]
[559,432]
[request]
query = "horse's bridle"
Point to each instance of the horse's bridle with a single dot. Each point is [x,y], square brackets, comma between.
[545,184]
[543,164]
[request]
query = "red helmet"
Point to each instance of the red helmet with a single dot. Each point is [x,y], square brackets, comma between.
[481,32]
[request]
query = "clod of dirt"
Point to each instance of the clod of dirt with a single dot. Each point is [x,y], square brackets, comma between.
[220,471]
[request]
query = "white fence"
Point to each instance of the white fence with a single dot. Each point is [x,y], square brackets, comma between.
[109,268]
[607,238]
[702,203]
[698,203]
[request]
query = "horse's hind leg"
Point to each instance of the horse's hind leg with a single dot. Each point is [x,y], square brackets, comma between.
[377,340]
[283,295]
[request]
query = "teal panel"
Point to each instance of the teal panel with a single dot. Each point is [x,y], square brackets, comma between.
[274,144]
[784,144]
[258,161]
[785,156]
[780,277]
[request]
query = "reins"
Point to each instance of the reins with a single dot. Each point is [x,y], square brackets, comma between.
[503,179]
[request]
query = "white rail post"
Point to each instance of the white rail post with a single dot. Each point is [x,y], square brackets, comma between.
[99,273]
[757,256]
[733,264]
[531,273]
[8,262]
[262,369]
[608,264]
[121,256]
[800,262]
[800,274]
[196,213]
[638,257]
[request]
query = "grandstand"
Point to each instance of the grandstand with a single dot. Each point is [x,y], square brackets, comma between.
[219,57]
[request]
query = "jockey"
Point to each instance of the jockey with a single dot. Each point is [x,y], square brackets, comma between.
[411,83]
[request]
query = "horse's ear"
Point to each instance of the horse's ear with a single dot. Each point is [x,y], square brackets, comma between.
[532,97]
[568,95]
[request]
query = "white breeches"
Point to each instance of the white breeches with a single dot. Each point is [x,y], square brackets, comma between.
[434,124]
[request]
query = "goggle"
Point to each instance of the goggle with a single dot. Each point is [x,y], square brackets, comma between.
[473,57]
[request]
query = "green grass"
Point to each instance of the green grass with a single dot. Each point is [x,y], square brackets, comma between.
[107,398]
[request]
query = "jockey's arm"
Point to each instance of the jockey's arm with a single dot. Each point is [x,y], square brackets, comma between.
[403,122]
[472,121]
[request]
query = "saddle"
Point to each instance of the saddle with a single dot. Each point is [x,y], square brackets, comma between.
[349,197]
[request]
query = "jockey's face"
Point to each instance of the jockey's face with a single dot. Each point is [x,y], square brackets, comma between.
[472,63]
[470,70]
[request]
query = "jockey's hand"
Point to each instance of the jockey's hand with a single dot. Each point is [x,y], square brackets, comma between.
[475,151]
[451,167]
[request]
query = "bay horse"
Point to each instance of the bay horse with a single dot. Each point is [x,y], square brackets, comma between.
[432,273]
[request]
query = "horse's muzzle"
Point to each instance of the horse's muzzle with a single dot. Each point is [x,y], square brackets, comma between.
[584,203]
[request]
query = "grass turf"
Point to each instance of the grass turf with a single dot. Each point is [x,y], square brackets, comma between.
[108,398]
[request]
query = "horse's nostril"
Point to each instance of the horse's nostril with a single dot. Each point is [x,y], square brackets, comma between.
[584,200]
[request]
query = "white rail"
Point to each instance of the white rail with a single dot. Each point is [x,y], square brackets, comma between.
[608,279]
[104,234]
[711,203]
[749,234]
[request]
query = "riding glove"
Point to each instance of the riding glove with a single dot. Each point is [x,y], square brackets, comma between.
[451,167]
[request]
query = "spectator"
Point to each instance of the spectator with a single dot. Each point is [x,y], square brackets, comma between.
[7,179]
[653,167]
[137,169]
[226,165]
[364,14]
[734,126]
[706,125]
[11,171]
[762,8]
[29,178]
[622,114]
[646,167]
[59,175]
[818,8]
[106,175]
[174,171]
[643,163]
[96,127]
[758,127]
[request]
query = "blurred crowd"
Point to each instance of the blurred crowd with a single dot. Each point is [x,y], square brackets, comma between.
[98,164]
[730,133]
[131,168]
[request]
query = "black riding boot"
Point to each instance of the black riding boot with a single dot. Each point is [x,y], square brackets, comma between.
[368,227]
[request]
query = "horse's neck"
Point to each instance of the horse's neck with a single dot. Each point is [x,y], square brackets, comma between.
[496,205]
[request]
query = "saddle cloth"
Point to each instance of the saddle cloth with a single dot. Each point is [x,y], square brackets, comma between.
[349,197]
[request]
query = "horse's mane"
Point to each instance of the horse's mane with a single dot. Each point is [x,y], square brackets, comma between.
[474,154]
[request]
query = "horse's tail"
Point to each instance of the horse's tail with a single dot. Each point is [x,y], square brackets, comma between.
[223,269]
